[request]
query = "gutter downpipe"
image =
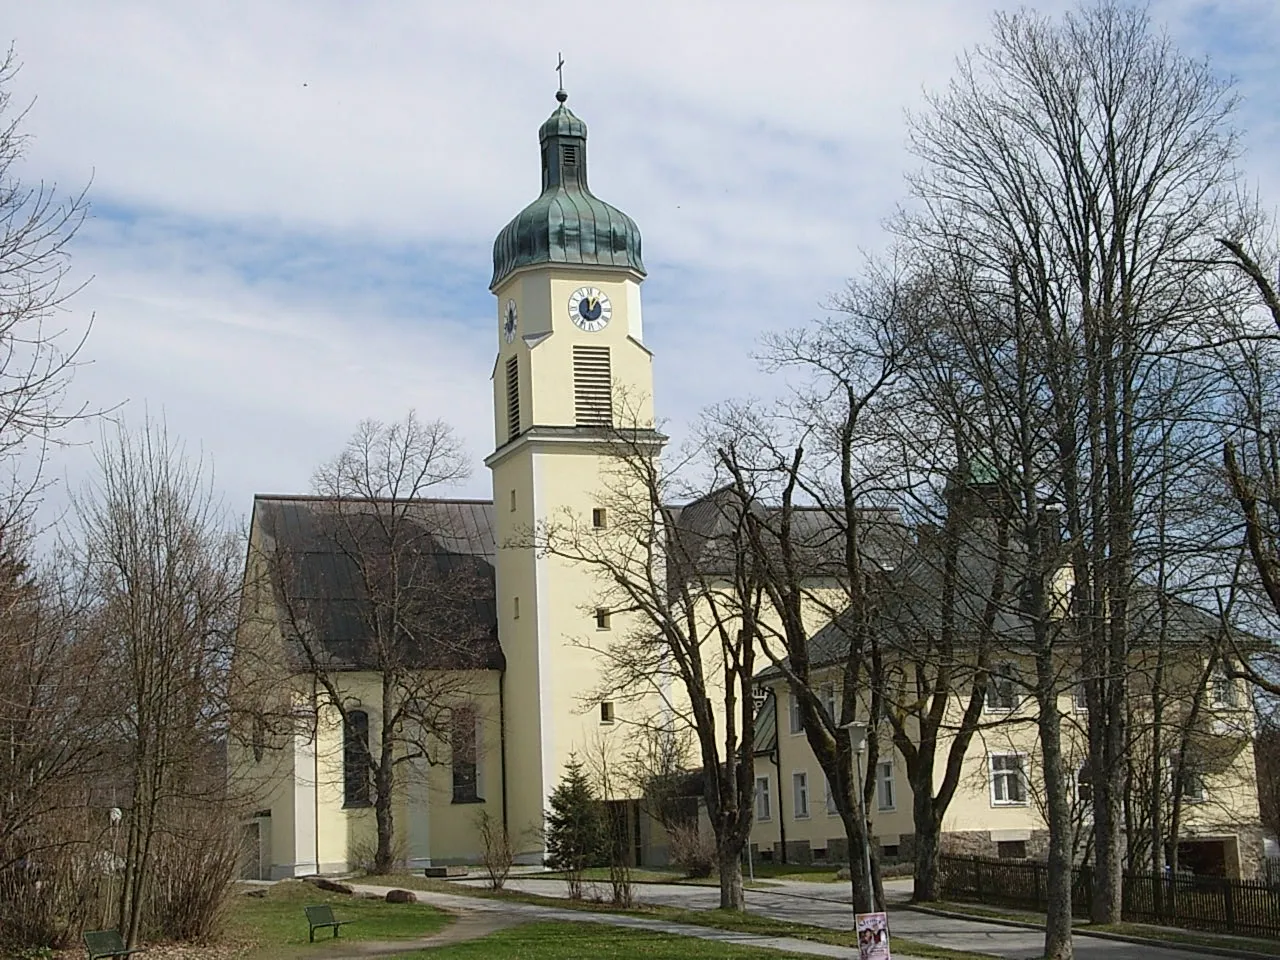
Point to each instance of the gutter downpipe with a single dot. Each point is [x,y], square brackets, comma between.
[776,756]
[502,742]
[315,758]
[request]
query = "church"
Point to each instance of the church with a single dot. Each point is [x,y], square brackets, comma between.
[470,726]
[567,272]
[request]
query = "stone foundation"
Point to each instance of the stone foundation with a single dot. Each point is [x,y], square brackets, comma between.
[798,851]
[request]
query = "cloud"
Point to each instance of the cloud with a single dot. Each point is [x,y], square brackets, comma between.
[294,201]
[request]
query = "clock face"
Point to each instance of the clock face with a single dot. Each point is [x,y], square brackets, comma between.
[509,323]
[590,309]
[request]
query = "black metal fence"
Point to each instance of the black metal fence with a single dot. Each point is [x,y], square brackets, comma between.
[1242,907]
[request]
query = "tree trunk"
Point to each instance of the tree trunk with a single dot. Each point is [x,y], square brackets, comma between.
[383,859]
[856,834]
[928,857]
[730,863]
[1057,928]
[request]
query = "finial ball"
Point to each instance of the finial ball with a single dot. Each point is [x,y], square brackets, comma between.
[562,95]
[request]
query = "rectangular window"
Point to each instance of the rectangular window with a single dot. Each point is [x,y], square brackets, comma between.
[1002,690]
[828,691]
[355,759]
[513,501]
[1192,787]
[797,724]
[463,754]
[1079,695]
[1011,849]
[513,397]
[606,712]
[598,518]
[1225,691]
[889,851]
[885,796]
[515,608]
[800,789]
[764,805]
[602,619]
[592,387]
[1008,779]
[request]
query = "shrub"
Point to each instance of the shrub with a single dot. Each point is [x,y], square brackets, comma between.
[690,850]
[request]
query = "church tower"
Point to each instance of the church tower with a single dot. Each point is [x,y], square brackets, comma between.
[571,371]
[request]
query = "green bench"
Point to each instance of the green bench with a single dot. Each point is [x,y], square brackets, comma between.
[321,916]
[106,943]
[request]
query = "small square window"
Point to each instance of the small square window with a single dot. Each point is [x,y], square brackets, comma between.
[599,518]
[889,851]
[606,712]
[1011,849]
[602,619]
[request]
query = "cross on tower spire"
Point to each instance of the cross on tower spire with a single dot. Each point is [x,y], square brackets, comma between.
[560,94]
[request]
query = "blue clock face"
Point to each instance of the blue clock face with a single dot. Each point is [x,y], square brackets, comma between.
[590,309]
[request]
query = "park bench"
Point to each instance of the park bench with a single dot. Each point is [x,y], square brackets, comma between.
[321,916]
[106,943]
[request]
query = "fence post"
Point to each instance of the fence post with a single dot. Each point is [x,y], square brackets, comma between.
[977,878]
[1229,904]
[1035,873]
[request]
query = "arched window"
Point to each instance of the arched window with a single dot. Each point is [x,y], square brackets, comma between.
[355,759]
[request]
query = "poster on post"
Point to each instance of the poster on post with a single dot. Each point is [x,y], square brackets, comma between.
[873,936]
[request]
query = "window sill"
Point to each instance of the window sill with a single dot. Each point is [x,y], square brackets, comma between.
[886,809]
[801,816]
[466,800]
[1008,803]
[357,804]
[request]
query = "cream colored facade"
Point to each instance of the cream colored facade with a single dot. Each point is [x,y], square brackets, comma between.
[987,817]
[552,472]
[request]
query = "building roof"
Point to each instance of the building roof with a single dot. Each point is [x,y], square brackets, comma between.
[567,223]
[333,564]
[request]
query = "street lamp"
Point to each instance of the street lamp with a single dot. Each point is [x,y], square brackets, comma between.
[857,743]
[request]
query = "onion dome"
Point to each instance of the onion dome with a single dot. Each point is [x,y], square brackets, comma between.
[567,223]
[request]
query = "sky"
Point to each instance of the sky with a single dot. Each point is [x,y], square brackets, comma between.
[294,202]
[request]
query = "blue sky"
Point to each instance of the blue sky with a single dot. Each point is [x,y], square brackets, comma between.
[294,202]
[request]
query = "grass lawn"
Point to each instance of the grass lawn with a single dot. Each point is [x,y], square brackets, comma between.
[591,941]
[275,926]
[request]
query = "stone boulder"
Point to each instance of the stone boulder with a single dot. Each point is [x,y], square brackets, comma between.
[333,886]
[401,896]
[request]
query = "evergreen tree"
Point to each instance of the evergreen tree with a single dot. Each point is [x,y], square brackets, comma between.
[575,826]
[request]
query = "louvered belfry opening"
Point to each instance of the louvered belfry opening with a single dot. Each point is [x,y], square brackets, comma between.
[592,387]
[513,397]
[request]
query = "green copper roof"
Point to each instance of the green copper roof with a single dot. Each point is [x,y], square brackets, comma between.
[567,223]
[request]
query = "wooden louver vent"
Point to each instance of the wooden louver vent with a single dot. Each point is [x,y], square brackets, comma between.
[513,397]
[570,154]
[592,387]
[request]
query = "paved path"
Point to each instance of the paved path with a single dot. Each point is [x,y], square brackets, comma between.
[515,912]
[827,905]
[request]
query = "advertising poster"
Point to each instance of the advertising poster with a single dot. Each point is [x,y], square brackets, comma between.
[873,936]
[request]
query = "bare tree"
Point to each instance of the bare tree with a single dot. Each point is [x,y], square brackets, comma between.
[683,575]
[1076,171]
[161,567]
[417,596]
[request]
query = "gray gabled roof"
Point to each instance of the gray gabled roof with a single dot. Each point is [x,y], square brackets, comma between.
[330,566]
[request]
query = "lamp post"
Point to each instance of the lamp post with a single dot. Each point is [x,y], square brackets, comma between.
[857,743]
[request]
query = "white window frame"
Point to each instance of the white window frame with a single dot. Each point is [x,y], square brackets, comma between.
[762,792]
[1190,778]
[1020,773]
[800,795]
[828,692]
[830,797]
[881,782]
[1079,695]
[1221,684]
[795,721]
[1002,674]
